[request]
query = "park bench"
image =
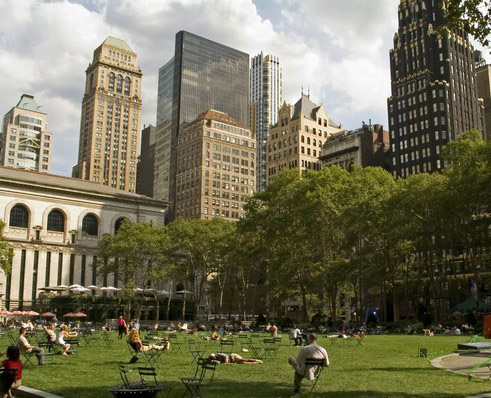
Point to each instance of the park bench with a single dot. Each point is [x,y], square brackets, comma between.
[203,377]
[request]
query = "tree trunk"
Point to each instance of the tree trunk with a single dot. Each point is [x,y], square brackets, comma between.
[169,300]
[157,307]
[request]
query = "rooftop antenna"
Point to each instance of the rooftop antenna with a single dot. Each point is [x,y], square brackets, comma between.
[309,92]
[302,90]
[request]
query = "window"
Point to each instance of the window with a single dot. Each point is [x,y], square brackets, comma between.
[111,81]
[118,224]
[90,225]
[56,221]
[119,84]
[19,216]
[127,83]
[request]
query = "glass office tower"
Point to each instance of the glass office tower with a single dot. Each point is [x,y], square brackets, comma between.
[206,75]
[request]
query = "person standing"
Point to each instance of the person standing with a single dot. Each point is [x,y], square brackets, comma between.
[122,330]
[297,336]
[310,351]
[24,345]
[273,329]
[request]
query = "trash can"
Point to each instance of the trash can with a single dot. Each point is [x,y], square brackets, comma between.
[486,329]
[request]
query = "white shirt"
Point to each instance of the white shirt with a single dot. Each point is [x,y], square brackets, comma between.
[24,343]
[296,333]
[311,351]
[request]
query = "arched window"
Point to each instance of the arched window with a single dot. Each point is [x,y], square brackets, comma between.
[314,142]
[118,224]
[90,225]
[19,216]
[308,140]
[56,221]
[302,139]
[127,84]
[111,81]
[91,81]
[119,84]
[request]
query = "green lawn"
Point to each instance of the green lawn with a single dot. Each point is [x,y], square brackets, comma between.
[386,366]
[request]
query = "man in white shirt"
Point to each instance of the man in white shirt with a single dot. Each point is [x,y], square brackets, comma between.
[24,345]
[297,336]
[310,351]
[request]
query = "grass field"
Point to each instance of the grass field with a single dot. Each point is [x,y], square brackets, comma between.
[386,366]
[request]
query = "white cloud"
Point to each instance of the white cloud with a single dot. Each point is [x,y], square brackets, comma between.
[338,48]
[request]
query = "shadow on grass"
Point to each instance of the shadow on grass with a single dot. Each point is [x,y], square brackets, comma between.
[259,390]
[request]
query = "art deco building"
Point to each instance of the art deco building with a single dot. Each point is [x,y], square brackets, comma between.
[266,97]
[367,146]
[55,225]
[296,140]
[202,75]
[216,158]
[434,96]
[26,141]
[111,115]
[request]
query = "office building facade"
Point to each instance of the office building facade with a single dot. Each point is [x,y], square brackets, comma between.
[296,140]
[367,146]
[266,97]
[483,79]
[146,161]
[26,141]
[111,116]
[434,97]
[216,158]
[202,75]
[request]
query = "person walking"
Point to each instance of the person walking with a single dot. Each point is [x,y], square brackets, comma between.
[122,329]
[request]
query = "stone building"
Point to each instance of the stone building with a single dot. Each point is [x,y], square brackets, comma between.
[26,141]
[54,225]
[434,97]
[483,83]
[111,115]
[296,140]
[216,158]
[366,146]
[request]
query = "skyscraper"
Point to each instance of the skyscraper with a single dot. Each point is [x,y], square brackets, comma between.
[202,75]
[434,96]
[111,115]
[26,141]
[146,161]
[266,97]
[215,167]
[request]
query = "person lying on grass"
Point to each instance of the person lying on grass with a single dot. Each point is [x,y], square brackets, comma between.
[230,358]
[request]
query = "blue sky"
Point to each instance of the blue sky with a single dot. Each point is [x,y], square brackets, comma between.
[340,49]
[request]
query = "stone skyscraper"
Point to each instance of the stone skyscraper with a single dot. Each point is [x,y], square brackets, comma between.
[202,75]
[26,140]
[266,97]
[434,96]
[111,115]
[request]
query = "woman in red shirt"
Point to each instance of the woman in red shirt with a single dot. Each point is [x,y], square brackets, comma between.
[12,362]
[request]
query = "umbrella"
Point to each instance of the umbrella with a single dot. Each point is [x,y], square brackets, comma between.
[31,313]
[111,288]
[5,313]
[92,287]
[62,287]
[75,286]
[184,292]
[48,315]
[79,315]
[69,315]
[18,313]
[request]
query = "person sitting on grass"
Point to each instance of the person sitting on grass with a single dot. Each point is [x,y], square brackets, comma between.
[24,345]
[230,358]
[11,363]
[310,351]
[136,343]
[60,339]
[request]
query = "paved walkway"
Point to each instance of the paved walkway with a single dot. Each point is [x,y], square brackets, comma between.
[462,362]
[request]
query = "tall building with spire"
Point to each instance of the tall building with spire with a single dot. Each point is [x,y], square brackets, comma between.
[26,141]
[266,97]
[202,75]
[434,97]
[111,116]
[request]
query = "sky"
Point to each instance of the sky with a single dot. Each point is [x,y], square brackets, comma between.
[340,49]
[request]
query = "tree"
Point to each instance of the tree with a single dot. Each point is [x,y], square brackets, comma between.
[472,16]
[6,252]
